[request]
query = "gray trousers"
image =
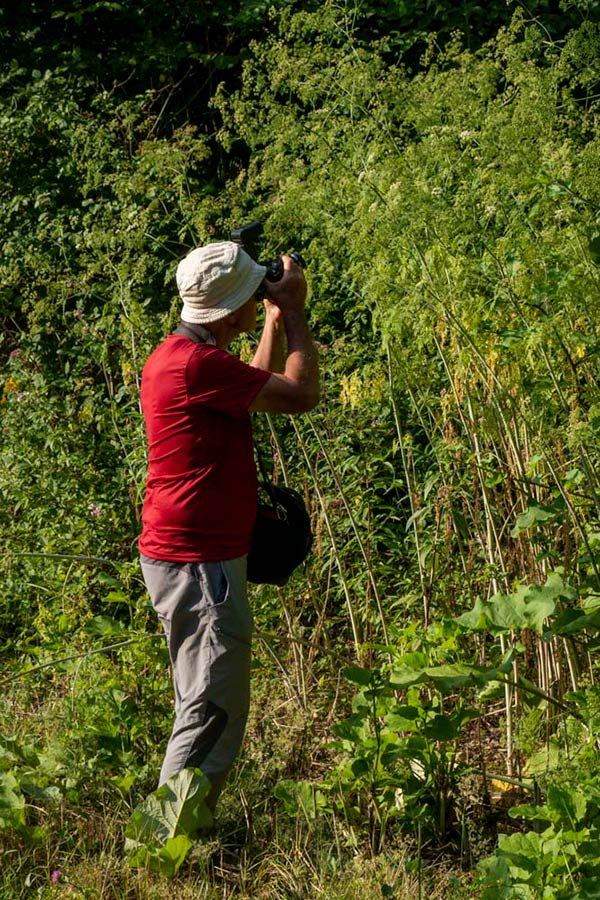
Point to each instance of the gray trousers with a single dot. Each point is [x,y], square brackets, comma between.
[203,608]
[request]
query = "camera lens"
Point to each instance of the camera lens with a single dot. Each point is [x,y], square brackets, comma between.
[274,270]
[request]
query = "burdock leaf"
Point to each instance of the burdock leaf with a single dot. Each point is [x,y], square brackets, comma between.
[568,805]
[164,860]
[358,675]
[176,808]
[12,802]
[536,514]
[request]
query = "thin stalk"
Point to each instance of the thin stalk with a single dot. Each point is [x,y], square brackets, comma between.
[508,708]
[574,515]
[300,668]
[75,556]
[583,450]
[343,581]
[529,688]
[259,635]
[320,624]
[430,431]
[491,542]
[73,656]
[571,663]
[286,677]
[420,858]
[408,474]
[355,529]
[298,659]
[278,447]
[338,561]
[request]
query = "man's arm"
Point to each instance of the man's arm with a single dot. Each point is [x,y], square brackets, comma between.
[297,389]
[270,352]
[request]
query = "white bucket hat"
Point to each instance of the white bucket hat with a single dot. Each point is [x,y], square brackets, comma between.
[215,280]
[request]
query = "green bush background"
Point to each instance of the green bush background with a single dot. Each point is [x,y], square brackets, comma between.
[437,165]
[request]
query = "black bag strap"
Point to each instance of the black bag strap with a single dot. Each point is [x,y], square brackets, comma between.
[189,332]
[267,483]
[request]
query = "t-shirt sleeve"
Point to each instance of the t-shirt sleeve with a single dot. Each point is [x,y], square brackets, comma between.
[221,381]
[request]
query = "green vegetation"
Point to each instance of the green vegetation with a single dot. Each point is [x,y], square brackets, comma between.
[426,710]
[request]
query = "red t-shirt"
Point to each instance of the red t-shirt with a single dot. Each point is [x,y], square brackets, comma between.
[200,502]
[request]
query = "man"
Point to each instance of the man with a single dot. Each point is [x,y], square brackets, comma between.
[200,501]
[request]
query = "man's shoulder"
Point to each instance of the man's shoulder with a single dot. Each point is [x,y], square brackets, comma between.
[218,372]
[208,356]
[174,347]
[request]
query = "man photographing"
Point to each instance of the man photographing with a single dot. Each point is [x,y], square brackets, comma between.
[201,489]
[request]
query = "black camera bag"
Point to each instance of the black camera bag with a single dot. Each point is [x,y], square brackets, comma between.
[282,536]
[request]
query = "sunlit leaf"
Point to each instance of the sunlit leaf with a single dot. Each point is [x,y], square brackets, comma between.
[176,808]
[12,802]
[165,860]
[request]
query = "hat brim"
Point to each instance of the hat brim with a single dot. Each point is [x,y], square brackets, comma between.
[201,315]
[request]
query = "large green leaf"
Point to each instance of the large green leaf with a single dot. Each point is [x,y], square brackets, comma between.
[567,805]
[358,675]
[537,514]
[166,860]
[523,852]
[403,677]
[12,802]
[528,607]
[175,808]
[574,621]
[449,678]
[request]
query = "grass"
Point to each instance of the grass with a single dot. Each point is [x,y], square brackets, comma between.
[255,851]
[217,870]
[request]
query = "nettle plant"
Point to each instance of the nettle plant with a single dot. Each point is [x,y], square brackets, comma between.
[559,857]
[399,750]
[400,753]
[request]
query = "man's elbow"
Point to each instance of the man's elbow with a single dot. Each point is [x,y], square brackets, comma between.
[301,401]
[305,398]
[312,398]
[279,395]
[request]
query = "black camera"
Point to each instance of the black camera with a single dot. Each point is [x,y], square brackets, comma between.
[246,237]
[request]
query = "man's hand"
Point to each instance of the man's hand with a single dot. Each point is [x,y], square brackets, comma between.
[297,389]
[289,293]
[272,312]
